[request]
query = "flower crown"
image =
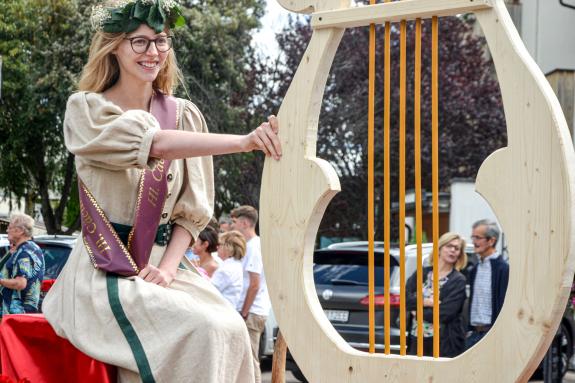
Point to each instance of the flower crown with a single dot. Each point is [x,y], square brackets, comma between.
[127,15]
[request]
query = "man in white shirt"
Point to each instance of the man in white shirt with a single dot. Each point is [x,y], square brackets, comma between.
[254,305]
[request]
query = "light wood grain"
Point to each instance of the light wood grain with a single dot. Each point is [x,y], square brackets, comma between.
[529,184]
[394,12]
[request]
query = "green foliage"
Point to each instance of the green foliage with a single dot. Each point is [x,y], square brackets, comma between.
[132,15]
[471,117]
[219,65]
[43,45]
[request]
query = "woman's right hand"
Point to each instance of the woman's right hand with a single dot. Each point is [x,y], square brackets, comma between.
[265,138]
[156,275]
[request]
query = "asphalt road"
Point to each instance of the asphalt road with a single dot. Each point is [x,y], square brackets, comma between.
[267,375]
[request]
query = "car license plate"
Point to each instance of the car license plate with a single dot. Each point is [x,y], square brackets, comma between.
[337,315]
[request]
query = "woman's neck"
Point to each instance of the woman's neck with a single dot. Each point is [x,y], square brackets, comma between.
[445,268]
[130,95]
[205,257]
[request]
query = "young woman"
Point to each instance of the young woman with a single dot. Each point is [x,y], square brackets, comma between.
[157,322]
[203,247]
[229,277]
[452,258]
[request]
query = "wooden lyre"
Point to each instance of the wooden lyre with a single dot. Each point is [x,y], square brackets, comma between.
[533,199]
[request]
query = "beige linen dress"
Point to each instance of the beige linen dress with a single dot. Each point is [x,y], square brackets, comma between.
[188,331]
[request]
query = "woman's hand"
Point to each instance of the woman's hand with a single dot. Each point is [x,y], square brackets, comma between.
[156,275]
[265,138]
[428,302]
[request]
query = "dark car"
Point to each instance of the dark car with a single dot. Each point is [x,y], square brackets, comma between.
[56,249]
[341,282]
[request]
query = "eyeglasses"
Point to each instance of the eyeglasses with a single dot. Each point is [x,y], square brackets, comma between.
[477,237]
[142,44]
[453,247]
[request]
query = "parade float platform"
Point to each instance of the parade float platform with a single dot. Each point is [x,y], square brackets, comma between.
[30,349]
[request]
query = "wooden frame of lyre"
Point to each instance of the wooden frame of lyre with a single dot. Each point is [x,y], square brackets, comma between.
[533,199]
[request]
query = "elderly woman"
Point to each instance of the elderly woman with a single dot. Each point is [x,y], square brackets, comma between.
[229,277]
[144,165]
[452,258]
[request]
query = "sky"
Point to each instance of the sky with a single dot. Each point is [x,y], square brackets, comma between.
[272,22]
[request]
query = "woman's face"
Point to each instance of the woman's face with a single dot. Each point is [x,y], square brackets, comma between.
[199,246]
[449,253]
[223,252]
[145,66]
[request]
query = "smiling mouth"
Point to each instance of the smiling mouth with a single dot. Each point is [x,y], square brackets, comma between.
[148,64]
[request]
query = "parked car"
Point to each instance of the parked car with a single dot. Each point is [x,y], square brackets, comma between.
[341,281]
[56,249]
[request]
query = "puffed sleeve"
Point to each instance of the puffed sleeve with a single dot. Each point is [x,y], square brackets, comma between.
[195,204]
[100,133]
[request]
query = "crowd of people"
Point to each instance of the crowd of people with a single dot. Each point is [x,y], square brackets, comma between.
[233,262]
[487,280]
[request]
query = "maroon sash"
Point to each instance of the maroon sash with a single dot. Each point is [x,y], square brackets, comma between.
[105,248]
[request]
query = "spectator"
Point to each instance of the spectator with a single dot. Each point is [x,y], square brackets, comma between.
[488,281]
[228,278]
[452,258]
[203,247]
[225,223]
[23,272]
[254,305]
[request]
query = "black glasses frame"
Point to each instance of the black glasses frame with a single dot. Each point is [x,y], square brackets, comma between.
[170,39]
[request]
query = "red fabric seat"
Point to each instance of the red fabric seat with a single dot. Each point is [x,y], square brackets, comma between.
[29,348]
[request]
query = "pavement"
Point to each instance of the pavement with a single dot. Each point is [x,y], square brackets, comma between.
[569,378]
[267,375]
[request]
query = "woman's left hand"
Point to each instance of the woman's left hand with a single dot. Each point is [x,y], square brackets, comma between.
[156,275]
[265,138]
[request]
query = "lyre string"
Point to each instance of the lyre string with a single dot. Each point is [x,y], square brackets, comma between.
[418,213]
[370,187]
[402,101]
[435,178]
[386,185]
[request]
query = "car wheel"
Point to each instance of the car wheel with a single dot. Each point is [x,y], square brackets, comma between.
[565,344]
[296,372]
[556,361]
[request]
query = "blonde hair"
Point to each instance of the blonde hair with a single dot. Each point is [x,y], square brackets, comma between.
[24,222]
[234,242]
[102,69]
[444,240]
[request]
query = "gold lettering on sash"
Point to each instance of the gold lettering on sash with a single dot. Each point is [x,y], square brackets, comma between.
[153,195]
[89,223]
[102,244]
[158,171]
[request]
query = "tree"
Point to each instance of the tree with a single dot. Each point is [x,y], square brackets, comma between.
[221,71]
[471,118]
[43,44]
